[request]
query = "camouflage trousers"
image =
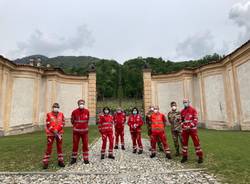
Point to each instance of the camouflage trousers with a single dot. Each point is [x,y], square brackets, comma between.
[177,139]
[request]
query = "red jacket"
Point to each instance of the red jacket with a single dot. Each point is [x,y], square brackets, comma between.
[119,120]
[80,120]
[158,122]
[54,123]
[105,123]
[135,122]
[189,118]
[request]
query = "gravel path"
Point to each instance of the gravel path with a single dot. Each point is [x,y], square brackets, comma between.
[126,168]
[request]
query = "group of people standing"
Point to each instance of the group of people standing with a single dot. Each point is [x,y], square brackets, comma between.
[183,124]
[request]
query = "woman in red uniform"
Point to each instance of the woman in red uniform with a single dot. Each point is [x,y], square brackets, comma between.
[105,126]
[135,122]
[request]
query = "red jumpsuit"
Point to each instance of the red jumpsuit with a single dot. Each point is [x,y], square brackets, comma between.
[105,126]
[158,121]
[189,128]
[54,122]
[79,120]
[135,122]
[119,121]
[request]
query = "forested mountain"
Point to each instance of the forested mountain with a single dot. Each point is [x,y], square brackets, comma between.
[113,79]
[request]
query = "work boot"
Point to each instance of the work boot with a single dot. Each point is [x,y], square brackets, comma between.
[116,147]
[168,156]
[61,164]
[134,151]
[102,156]
[140,152]
[45,166]
[111,156]
[123,147]
[152,155]
[184,159]
[73,161]
[200,160]
[86,161]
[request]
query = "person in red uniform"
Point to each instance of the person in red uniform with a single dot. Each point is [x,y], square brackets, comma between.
[119,121]
[158,123]
[105,126]
[79,120]
[54,130]
[189,122]
[135,122]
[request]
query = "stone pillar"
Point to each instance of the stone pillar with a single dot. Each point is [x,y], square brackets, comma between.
[92,96]
[147,88]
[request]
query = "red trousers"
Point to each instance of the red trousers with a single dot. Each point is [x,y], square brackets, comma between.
[155,136]
[76,139]
[194,135]
[136,140]
[50,141]
[119,133]
[105,136]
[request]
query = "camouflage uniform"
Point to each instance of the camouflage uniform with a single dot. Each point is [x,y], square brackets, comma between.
[174,119]
[148,123]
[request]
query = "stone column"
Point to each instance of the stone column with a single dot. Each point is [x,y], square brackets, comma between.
[147,88]
[92,96]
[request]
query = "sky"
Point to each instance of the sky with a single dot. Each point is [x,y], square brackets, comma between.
[123,29]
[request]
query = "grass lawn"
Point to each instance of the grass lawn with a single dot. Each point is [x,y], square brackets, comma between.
[227,154]
[25,152]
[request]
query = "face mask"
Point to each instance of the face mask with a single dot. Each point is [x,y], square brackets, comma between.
[156,110]
[106,111]
[119,111]
[81,106]
[185,104]
[151,109]
[55,109]
[134,112]
[174,108]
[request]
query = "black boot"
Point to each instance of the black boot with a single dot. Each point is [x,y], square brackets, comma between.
[73,161]
[86,161]
[45,166]
[123,147]
[152,155]
[168,156]
[140,152]
[134,150]
[116,147]
[61,164]
[184,159]
[200,160]
[102,156]
[177,152]
[111,156]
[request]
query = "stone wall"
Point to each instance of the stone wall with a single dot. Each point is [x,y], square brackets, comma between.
[219,91]
[28,92]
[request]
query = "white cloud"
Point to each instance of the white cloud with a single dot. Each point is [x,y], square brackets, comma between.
[52,45]
[196,46]
[240,14]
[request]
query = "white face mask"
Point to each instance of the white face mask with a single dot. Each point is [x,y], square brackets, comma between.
[81,106]
[156,110]
[55,109]
[186,104]
[152,109]
[119,111]
[174,108]
[106,111]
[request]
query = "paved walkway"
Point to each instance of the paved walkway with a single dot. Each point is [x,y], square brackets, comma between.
[126,168]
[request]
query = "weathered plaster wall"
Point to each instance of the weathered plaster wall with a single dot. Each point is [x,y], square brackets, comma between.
[27,94]
[219,91]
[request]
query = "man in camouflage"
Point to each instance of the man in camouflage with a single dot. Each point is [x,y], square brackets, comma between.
[148,123]
[174,117]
